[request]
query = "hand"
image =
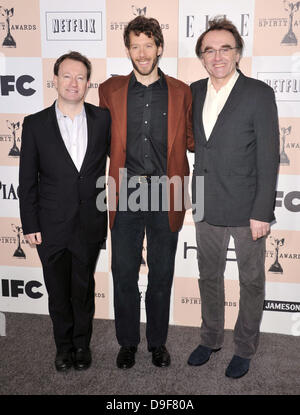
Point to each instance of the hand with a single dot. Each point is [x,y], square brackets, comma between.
[259,228]
[34,238]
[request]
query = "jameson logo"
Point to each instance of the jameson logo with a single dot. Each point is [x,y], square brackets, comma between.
[287,306]
[74,26]
[9,41]
[290,38]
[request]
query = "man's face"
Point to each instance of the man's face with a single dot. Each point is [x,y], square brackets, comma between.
[143,53]
[220,66]
[71,82]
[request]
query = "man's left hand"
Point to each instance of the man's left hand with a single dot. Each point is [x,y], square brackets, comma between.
[259,228]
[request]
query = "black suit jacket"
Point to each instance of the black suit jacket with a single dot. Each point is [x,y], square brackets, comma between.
[240,160]
[55,198]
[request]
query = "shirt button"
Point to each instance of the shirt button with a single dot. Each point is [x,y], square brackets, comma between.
[146,156]
[147,105]
[145,139]
[146,122]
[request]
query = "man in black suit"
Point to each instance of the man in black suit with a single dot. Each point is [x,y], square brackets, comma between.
[236,135]
[64,151]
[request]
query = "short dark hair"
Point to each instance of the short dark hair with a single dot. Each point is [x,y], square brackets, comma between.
[148,26]
[75,56]
[221,23]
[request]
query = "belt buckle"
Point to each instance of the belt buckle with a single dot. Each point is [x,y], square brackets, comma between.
[144,179]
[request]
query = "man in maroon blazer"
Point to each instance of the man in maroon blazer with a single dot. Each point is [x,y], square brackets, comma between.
[150,134]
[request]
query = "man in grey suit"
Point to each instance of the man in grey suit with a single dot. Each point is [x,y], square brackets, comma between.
[236,135]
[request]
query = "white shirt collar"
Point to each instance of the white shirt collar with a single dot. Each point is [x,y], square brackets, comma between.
[61,115]
[227,87]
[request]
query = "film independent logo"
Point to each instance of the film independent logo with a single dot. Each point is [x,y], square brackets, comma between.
[9,41]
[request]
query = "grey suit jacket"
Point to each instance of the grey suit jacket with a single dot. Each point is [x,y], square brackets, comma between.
[240,160]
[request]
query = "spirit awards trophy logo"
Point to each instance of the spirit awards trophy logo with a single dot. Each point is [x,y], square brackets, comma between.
[276,268]
[9,41]
[284,160]
[14,151]
[138,12]
[290,38]
[19,253]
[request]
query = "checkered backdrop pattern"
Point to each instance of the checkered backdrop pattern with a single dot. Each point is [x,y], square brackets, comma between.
[33,33]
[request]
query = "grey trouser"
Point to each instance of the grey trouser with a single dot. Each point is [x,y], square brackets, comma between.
[212,243]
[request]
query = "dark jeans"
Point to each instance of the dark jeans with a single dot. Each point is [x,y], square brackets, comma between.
[127,242]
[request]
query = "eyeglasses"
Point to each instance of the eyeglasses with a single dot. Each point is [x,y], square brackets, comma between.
[210,53]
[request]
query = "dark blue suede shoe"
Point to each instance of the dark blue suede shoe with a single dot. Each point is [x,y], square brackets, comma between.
[238,367]
[201,355]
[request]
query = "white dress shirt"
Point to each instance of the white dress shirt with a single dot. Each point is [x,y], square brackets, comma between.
[214,103]
[74,134]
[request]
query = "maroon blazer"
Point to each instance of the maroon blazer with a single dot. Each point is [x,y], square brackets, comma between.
[113,96]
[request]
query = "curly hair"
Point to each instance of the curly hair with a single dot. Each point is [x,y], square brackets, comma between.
[149,26]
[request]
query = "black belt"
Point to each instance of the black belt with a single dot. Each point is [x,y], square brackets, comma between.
[147,178]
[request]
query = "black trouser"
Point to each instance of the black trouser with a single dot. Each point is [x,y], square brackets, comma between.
[70,285]
[127,243]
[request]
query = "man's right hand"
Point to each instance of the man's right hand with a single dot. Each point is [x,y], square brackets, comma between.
[34,238]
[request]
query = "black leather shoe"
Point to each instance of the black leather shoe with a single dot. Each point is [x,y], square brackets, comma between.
[201,355]
[82,358]
[160,356]
[63,361]
[126,357]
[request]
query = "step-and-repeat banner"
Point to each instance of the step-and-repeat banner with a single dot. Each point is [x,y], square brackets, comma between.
[33,33]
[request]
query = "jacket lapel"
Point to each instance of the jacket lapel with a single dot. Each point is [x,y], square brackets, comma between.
[175,100]
[58,137]
[231,103]
[119,98]
[90,123]
[198,103]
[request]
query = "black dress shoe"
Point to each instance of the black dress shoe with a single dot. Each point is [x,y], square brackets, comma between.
[160,356]
[201,355]
[237,367]
[63,361]
[126,357]
[82,358]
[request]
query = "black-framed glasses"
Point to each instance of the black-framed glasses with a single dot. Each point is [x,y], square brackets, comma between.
[211,53]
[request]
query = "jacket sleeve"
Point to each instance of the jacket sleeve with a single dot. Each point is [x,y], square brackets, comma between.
[267,154]
[189,125]
[28,181]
